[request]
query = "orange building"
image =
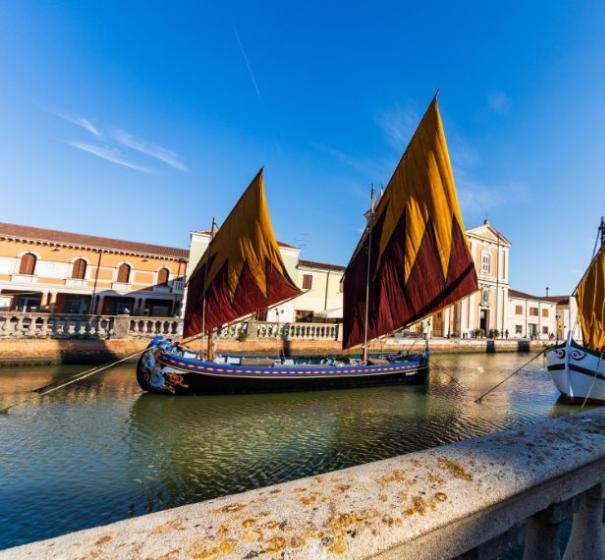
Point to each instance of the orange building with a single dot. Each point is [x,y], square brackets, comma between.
[60,272]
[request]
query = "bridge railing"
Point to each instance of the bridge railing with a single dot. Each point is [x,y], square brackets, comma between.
[472,499]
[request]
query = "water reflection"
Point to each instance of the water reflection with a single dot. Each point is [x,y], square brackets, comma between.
[101,450]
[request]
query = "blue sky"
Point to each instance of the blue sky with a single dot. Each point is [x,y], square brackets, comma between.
[142,120]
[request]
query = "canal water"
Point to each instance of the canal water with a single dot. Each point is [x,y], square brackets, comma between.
[101,450]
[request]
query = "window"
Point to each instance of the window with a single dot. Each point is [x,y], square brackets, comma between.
[485,297]
[341,286]
[544,312]
[533,311]
[307,281]
[518,310]
[518,329]
[163,276]
[28,264]
[79,269]
[486,263]
[304,316]
[124,273]
[544,330]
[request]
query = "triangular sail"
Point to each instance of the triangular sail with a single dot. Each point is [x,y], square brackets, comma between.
[590,296]
[419,260]
[242,271]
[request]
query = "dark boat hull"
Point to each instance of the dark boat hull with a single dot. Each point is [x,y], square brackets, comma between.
[162,370]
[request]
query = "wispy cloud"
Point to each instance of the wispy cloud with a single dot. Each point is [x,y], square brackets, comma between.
[478,198]
[370,170]
[82,122]
[498,102]
[398,123]
[152,150]
[250,72]
[110,154]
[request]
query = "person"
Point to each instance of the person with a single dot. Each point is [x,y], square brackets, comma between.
[506,334]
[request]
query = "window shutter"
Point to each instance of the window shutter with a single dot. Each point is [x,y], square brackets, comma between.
[79,269]
[124,273]
[163,276]
[28,264]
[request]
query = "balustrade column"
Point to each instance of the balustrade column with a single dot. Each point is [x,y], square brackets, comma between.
[543,530]
[52,302]
[100,304]
[587,540]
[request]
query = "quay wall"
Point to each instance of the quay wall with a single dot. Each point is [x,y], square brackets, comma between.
[44,351]
[471,499]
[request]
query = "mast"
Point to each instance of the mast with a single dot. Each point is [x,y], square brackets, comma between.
[208,349]
[370,218]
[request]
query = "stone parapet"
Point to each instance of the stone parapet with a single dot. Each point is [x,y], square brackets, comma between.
[474,498]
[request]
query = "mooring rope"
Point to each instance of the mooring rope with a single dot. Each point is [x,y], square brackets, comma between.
[543,351]
[51,387]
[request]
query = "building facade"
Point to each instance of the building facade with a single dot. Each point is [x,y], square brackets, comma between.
[484,311]
[60,272]
[531,316]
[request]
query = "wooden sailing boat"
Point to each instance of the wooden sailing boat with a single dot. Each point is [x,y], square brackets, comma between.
[578,370]
[412,260]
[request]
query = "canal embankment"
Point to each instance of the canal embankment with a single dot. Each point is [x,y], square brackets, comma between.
[475,498]
[47,350]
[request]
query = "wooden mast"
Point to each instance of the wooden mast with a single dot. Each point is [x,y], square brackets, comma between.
[370,218]
[209,347]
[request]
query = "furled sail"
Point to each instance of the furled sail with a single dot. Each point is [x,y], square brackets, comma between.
[242,271]
[590,296]
[419,259]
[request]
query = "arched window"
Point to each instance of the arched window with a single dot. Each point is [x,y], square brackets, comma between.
[28,264]
[163,274]
[79,269]
[124,273]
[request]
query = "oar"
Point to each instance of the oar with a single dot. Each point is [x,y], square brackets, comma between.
[51,387]
[513,373]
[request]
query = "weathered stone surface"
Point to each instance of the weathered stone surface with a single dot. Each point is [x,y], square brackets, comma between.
[437,503]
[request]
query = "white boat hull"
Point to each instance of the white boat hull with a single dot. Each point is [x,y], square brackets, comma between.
[578,372]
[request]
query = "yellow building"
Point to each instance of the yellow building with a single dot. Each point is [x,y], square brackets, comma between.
[56,271]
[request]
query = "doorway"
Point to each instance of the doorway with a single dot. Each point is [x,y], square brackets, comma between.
[484,320]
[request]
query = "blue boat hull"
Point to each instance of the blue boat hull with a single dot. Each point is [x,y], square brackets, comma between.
[163,369]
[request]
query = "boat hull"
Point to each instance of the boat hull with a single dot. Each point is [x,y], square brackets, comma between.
[163,370]
[577,372]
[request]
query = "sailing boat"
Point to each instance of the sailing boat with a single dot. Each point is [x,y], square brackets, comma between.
[578,370]
[412,260]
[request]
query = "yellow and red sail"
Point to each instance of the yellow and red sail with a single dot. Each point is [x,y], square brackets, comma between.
[419,259]
[590,296]
[242,271]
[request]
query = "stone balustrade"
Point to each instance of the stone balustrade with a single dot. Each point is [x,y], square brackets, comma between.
[472,499]
[294,331]
[153,326]
[56,325]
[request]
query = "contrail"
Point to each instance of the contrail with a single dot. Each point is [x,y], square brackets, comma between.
[241,46]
